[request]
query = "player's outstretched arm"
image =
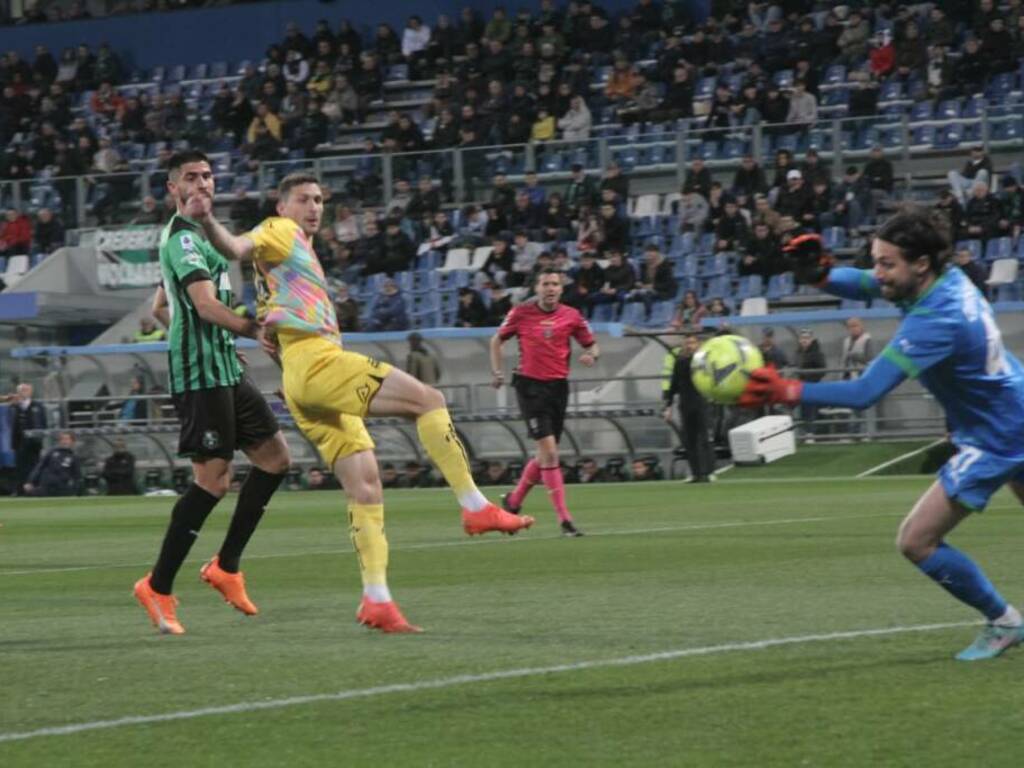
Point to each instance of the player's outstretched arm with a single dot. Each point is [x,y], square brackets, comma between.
[234,247]
[850,283]
[766,387]
[210,309]
[590,355]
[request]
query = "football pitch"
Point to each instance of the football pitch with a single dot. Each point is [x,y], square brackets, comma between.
[750,622]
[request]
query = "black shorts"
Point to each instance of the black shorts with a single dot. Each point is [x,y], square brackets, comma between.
[214,422]
[543,405]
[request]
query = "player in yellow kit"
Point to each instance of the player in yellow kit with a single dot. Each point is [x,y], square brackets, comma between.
[329,390]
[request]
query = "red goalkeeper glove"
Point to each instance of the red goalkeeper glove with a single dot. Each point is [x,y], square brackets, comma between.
[766,387]
[807,257]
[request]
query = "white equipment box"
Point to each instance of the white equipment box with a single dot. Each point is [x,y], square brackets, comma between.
[763,440]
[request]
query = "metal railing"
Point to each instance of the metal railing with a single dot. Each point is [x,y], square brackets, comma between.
[464,173]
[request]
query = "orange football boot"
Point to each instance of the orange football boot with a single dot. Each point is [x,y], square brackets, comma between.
[384,616]
[161,608]
[230,585]
[494,518]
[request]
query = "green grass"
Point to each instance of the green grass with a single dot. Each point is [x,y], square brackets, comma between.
[666,567]
[830,460]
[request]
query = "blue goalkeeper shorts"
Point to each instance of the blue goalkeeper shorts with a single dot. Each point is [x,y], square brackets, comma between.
[972,476]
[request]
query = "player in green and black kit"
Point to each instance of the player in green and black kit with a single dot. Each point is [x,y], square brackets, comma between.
[220,410]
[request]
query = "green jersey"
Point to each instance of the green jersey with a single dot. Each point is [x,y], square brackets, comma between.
[201,355]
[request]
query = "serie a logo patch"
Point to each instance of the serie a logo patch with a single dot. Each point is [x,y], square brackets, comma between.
[211,439]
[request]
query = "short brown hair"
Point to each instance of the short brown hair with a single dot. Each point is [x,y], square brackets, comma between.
[295,180]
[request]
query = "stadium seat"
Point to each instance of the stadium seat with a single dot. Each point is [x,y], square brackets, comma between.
[834,237]
[456,258]
[783,78]
[974,246]
[922,110]
[835,74]
[891,91]
[754,306]
[647,205]
[176,73]
[949,109]
[219,70]
[750,285]
[780,285]
[1002,280]
[999,248]
[480,256]
[705,89]
[200,71]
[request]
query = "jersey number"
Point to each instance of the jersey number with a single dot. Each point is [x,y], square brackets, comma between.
[995,358]
[962,461]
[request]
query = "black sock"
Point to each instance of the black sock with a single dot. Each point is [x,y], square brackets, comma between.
[187,518]
[256,491]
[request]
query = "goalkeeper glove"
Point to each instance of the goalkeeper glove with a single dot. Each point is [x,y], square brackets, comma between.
[808,259]
[766,387]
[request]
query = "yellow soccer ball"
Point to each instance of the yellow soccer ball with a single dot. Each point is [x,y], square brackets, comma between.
[721,367]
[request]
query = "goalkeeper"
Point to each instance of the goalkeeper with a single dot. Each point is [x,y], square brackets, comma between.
[949,341]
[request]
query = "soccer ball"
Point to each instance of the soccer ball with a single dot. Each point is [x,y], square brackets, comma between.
[721,367]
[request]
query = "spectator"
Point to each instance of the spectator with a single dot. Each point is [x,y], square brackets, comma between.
[803,107]
[698,179]
[732,231]
[588,278]
[619,279]
[982,213]
[149,212]
[749,179]
[853,42]
[58,472]
[15,233]
[810,364]
[575,124]
[772,353]
[119,471]
[878,172]
[388,312]
[134,408]
[689,313]
[1011,200]
[964,259]
[471,312]
[656,283]
[977,169]
[415,39]
[857,351]
[795,199]
[718,308]
[543,126]
[622,83]
[765,214]
[419,363]
[643,471]
[589,472]
[693,413]
[882,57]
[345,308]
[849,200]
[148,331]
[763,253]
[614,229]
[693,212]
[615,180]
[48,234]
[500,305]
[582,190]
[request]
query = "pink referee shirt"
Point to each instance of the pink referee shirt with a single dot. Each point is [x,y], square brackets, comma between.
[544,338]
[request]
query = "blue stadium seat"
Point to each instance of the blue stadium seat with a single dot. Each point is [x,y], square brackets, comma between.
[780,285]
[949,109]
[750,285]
[661,314]
[604,313]
[835,74]
[783,78]
[707,242]
[974,107]
[705,88]
[924,136]
[398,72]
[999,248]
[219,69]
[834,237]
[949,136]
[552,162]
[200,71]
[922,110]
[974,246]
[735,148]
[891,91]
[708,150]
[176,73]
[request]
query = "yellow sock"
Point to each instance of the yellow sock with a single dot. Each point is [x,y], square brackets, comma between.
[437,433]
[366,528]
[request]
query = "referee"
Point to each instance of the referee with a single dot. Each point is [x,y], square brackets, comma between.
[545,328]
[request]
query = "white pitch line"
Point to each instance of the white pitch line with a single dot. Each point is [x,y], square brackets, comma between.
[460,680]
[898,459]
[493,540]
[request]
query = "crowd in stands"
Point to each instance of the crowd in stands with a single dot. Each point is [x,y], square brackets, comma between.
[43,11]
[517,78]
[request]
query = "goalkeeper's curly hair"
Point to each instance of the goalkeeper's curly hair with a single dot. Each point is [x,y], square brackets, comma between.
[919,231]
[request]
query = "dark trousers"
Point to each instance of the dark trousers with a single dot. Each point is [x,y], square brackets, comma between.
[699,452]
[25,459]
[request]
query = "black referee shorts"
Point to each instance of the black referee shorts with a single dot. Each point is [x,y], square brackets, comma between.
[542,404]
[214,422]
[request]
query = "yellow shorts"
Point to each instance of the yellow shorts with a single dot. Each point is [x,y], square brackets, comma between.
[328,391]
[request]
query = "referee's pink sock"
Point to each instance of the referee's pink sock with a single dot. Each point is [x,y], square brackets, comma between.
[552,477]
[529,478]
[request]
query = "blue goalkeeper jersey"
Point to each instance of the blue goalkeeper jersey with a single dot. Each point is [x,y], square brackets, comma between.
[949,341]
